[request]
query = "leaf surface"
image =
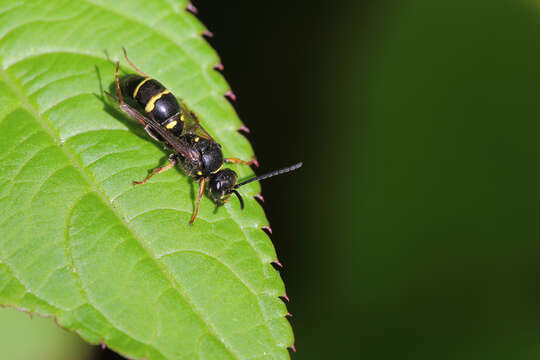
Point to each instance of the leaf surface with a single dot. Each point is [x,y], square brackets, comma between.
[115,263]
[23,337]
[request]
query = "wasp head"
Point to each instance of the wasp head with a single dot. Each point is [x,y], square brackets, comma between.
[222,184]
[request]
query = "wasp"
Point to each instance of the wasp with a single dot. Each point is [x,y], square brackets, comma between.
[168,120]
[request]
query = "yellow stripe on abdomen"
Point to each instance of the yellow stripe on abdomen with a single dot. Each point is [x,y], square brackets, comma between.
[139,86]
[152,102]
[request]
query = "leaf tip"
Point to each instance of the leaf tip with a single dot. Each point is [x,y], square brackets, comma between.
[230,95]
[255,162]
[191,8]
[244,129]
[285,297]
[219,66]
[267,229]
[259,198]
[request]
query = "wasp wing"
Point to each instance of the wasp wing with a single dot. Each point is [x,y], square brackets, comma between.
[178,145]
[192,125]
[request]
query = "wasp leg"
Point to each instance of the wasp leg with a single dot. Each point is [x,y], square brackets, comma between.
[199,196]
[125,107]
[158,170]
[182,102]
[190,111]
[152,134]
[118,91]
[195,117]
[243,162]
[131,64]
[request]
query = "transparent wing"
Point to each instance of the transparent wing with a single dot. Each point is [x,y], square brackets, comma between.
[178,145]
[192,125]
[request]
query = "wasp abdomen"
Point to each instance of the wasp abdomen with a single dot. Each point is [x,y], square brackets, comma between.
[156,100]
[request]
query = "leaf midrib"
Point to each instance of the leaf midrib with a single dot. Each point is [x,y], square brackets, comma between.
[88,178]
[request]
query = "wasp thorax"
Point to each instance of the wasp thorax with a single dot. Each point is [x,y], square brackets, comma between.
[211,156]
[222,183]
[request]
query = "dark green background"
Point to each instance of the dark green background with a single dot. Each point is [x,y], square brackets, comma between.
[412,231]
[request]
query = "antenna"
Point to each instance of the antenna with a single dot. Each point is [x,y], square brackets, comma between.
[239,198]
[270,174]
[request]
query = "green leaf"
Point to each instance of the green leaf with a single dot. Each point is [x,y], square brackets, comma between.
[23,337]
[115,263]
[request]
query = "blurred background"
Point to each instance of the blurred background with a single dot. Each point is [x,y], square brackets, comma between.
[412,230]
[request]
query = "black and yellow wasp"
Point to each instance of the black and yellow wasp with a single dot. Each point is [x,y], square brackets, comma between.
[169,121]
